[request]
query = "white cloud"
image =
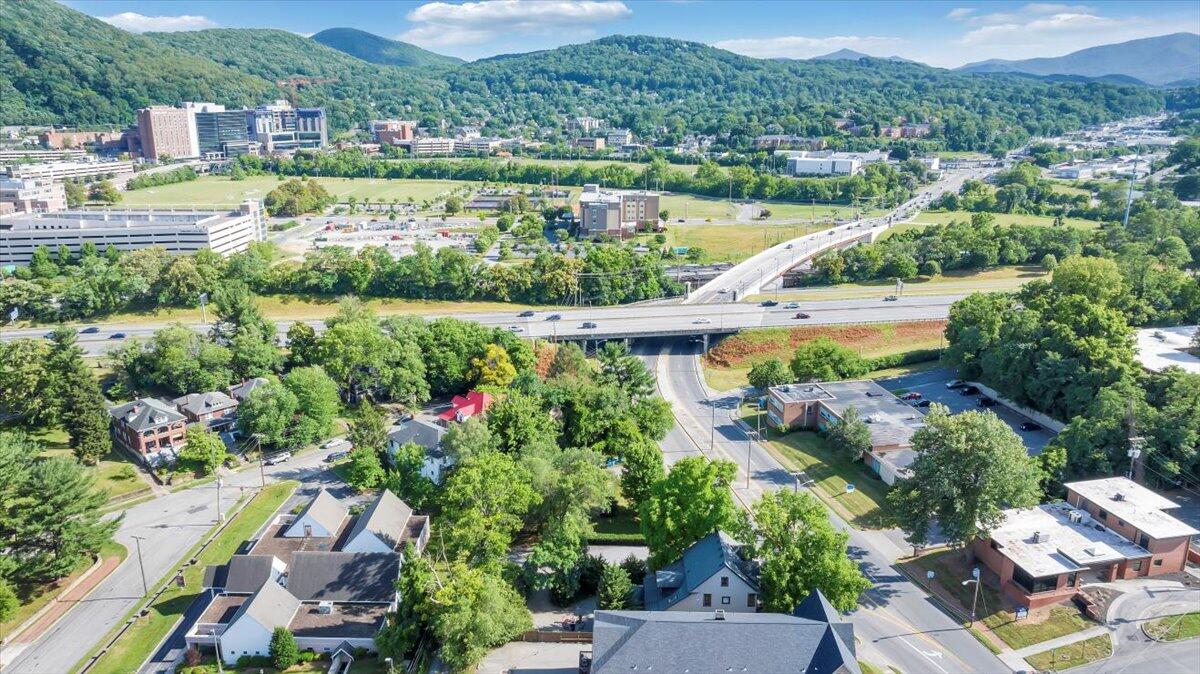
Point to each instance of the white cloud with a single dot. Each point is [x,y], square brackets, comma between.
[443,24]
[799,47]
[960,13]
[140,23]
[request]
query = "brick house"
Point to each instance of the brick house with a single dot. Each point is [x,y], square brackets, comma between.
[149,428]
[214,409]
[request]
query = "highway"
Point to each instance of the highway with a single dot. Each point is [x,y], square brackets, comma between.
[896,623]
[750,276]
[657,320]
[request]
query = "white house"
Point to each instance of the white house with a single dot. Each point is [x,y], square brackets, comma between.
[425,434]
[710,575]
[249,631]
[322,518]
[386,525]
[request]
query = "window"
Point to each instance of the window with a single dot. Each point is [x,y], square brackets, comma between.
[1158,562]
[1101,514]
[724,581]
[1033,585]
[994,544]
[707,600]
[1071,578]
[1144,541]
[1137,565]
[751,600]
[725,601]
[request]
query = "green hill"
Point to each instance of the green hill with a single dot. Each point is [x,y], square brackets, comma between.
[58,65]
[375,49]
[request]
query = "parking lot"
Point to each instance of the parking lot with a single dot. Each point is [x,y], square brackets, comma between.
[932,386]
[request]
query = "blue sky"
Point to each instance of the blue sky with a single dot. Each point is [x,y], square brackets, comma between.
[939,33]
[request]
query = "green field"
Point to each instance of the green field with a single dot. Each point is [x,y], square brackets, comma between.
[220,190]
[136,644]
[998,279]
[1174,628]
[1002,219]
[114,472]
[688,169]
[730,243]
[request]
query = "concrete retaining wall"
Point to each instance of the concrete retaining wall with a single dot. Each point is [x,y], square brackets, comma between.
[1046,421]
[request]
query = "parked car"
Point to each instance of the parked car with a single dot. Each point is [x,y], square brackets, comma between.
[987,402]
[588,325]
[1030,426]
[957,383]
[525,314]
[789,247]
[922,403]
[792,305]
[89,330]
[117,335]
[702,321]
[801,315]
[278,458]
[911,395]
[769,303]
[554,317]
[969,390]
[890,298]
[334,442]
[336,456]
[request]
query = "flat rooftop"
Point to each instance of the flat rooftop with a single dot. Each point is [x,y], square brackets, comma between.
[1046,540]
[344,621]
[222,608]
[273,542]
[891,420]
[117,219]
[1169,349]
[1137,505]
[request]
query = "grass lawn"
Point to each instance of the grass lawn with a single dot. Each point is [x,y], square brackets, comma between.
[220,190]
[996,279]
[950,567]
[727,364]
[730,243]
[1072,655]
[1002,219]
[44,594]
[1069,188]
[830,471]
[1174,628]
[621,526]
[128,653]
[114,473]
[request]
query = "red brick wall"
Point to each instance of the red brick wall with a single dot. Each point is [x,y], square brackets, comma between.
[1172,552]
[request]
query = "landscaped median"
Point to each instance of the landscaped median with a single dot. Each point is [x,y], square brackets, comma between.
[1072,655]
[138,642]
[1174,628]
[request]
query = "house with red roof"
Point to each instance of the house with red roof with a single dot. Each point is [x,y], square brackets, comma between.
[465,407]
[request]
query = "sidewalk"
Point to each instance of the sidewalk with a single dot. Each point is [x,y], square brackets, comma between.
[1016,659]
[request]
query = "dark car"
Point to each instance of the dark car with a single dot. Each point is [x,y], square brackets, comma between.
[922,403]
[117,335]
[588,325]
[1030,426]
[525,314]
[957,383]
[987,402]
[554,317]
[969,390]
[769,303]
[336,456]
[801,314]
[89,331]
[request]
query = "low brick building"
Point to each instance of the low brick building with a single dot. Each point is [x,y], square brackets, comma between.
[149,428]
[214,409]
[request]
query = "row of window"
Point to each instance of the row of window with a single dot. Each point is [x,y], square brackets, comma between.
[726,600]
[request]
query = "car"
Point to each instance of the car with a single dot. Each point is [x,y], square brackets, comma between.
[769,303]
[515,328]
[117,335]
[792,305]
[922,403]
[969,390]
[801,315]
[89,330]
[723,291]
[987,402]
[588,325]
[276,459]
[525,314]
[911,395]
[554,317]
[1030,426]
[336,456]
[957,383]
[890,298]
[789,247]
[1160,336]
[334,442]
[702,321]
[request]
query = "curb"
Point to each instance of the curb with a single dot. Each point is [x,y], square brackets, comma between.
[33,619]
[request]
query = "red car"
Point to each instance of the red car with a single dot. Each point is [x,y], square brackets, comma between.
[912,395]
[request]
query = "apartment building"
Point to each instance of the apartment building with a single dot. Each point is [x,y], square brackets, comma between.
[388,131]
[165,131]
[223,232]
[588,143]
[148,428]
[31,196]
[615,212]
[618,137]
[584,124]
[1108,530]
[64,170]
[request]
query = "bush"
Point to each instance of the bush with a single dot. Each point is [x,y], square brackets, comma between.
[284,652]
[591,568]
[905,358]
[248,661]
[615,588]
[636,568]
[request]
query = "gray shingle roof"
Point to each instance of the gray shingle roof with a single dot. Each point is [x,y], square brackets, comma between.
[387,518]
[202,403]
[674,582]
[240,391]
[326,511]
[271,606]
[419,432]
[247,573]
[684,641]
[344,576]
[145,413]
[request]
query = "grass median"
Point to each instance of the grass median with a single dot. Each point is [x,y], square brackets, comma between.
[139,641]
[1174,628]
[1072,655]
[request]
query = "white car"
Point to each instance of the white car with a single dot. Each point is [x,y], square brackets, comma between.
[701,321]
[516,328]
[334,442]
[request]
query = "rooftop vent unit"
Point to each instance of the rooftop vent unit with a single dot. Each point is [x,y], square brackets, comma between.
[1118,496]
[1075,516]
[325,608]
[1041,537]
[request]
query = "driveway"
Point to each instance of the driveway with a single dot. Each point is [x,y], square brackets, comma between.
[932,385]
[1133,651]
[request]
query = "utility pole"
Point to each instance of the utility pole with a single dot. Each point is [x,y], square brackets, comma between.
[1129,196]
[973,579]
[1135,441]
[138,542]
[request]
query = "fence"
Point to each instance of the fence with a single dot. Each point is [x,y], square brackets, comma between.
[538,636]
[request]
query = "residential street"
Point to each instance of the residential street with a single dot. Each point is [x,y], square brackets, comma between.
[897,624]
[169,526]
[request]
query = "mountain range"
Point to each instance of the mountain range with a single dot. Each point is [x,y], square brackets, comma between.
[851,55]
[1168,60]
[375,49]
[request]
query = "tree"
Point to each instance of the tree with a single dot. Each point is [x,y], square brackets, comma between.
[364,470]
[302,343]
[454,205]
[467,439]
[75,395]
[802,552]
[493,367]
[283,650]
[692,501]
[204,448]
[483,504]
[771,372]
[104,191]
[268,411]
[823,359]
[316,403]
[9,603]
[615,588]
[1098,279]
[643,468]
[403,629]
[253,354]
[476,610]
[369,429]
[1049,262]
[625,370]
[970,467]
[850,434]
[405,479]
[569,360]
[519,420]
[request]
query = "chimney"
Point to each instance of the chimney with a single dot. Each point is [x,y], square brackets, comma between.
[719,614]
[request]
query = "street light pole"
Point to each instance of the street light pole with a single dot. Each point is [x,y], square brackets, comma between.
[975,598]
[138,542]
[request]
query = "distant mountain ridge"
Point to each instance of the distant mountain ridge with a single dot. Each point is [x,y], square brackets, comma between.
[1166,60]
[381,50]
[851,55]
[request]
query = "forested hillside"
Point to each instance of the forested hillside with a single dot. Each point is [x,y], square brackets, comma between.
[376,49]
[658,87]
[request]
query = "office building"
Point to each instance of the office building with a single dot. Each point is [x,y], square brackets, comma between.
[428,146]
[618,137]
[222,132]
[592,144]
[167,132]
[63,170]
[478,144]
[615,212]
[281,128]
[31,196]
[822,166]
[223,232]
[388,131]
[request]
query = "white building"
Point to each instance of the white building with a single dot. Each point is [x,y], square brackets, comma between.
[478,144]
[1073,172]
[1160,348]
[65,154]
[711,574]
[61,170]
[822,166]
[321,518]
[618,137]
[223,232]
[428,146]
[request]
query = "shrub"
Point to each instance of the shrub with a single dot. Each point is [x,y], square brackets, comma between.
[636,568]
[284,652]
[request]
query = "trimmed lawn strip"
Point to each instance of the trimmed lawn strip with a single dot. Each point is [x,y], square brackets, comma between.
[620,527]
[1174,628]
[43,595]
[128,653]
[1002,219]
[1072,655]
[995,279]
